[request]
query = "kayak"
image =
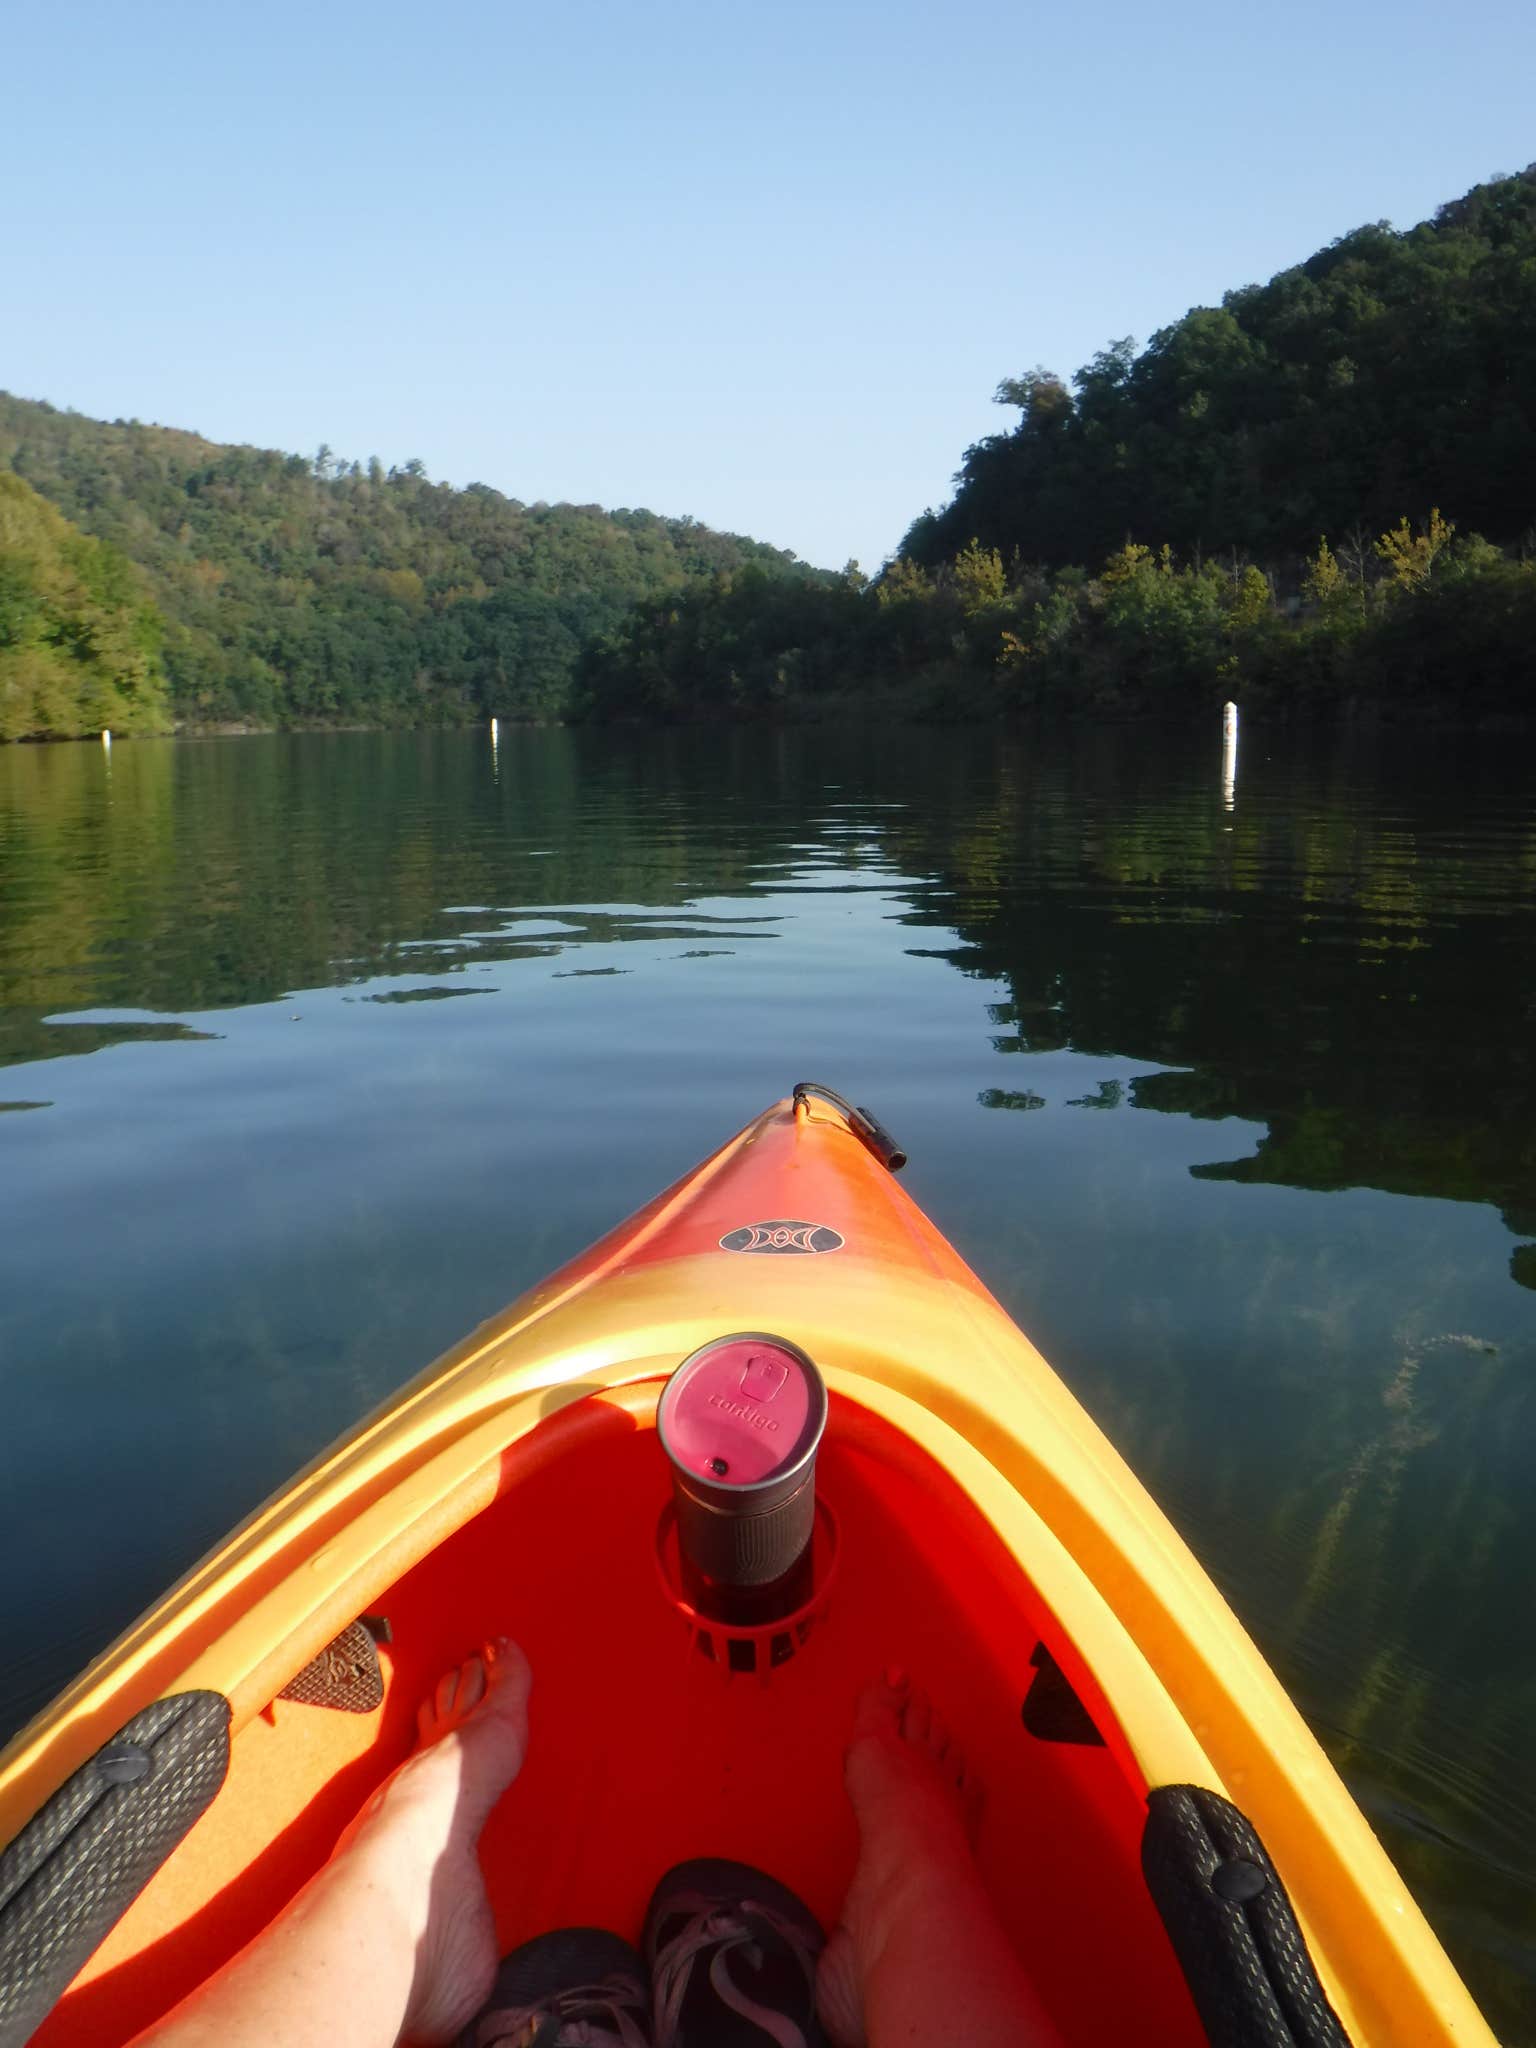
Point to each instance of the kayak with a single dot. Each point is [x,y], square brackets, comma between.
[1163,1839]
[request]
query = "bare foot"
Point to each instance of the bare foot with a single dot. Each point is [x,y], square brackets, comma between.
[417,1836]
[392,1940]
[917,1808]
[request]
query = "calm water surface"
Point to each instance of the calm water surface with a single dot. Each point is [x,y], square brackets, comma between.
[316,1050]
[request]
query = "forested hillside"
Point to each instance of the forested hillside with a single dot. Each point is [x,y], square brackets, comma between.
[1321,493]
[297,589]
[1387,374]
[78,637]
[1319,496]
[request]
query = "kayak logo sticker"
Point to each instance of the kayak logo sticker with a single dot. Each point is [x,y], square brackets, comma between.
[782,1234]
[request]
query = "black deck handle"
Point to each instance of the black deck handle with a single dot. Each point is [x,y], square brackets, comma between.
[866,1126]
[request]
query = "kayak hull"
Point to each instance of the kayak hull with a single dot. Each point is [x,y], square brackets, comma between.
[990,1540]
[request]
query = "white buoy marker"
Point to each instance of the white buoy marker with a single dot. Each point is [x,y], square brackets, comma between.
[1229,756]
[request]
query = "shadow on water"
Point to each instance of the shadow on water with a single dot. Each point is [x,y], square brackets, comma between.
[300,1169]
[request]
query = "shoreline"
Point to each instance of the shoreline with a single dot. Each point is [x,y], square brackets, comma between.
[852,714]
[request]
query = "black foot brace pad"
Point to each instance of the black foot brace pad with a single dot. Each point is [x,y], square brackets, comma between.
[1232,1926]
[82,1860]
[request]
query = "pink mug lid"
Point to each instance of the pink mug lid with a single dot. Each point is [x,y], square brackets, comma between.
[742,1411]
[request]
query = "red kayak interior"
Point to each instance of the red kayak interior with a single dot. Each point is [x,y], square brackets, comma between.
[645,1750]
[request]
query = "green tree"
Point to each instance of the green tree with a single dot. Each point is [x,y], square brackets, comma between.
[978,578]
[1411,555]
[1324,583]
[78,640]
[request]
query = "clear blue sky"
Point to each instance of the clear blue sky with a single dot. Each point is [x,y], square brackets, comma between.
[760,263]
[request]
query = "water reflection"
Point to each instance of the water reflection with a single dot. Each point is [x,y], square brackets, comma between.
[1352,966]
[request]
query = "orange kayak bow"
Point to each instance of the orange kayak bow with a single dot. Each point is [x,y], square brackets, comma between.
[1162,1836]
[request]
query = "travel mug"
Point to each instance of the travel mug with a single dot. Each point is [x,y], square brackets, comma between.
[740,1421]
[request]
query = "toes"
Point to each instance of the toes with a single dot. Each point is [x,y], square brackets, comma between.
[474,1680]
[435,1714]
[893,1706]
[508,1672]
[924,1729]
[498,1672]
[880,1704]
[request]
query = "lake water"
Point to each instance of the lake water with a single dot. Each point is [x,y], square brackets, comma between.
[317,1050]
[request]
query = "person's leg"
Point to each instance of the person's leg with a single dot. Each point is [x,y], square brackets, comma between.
[919,1956]
[393,1940]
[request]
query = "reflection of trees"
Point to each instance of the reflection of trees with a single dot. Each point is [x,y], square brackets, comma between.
[1349,964]
[1320,966]
[189,877]
[1383,1031]
[1010,1098]
[1108,1095]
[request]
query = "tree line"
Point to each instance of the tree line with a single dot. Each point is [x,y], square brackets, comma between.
[1418,619]
[1321,493]
[293,590]
[1388,373]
